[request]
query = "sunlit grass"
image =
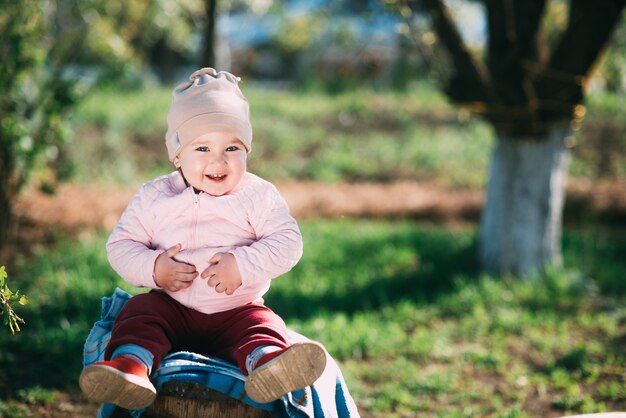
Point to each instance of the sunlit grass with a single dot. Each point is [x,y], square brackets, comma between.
[401,307]
[358,135]
[355,135]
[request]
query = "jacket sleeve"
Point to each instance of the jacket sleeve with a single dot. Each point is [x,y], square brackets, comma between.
[129,245]
[278,247]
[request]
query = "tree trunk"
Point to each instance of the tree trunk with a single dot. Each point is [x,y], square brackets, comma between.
[191,399]
[5,217]
[208,51]
[529,95]
[7,190]
[521,221]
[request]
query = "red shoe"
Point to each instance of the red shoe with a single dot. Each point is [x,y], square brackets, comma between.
[284,371]
[121,381]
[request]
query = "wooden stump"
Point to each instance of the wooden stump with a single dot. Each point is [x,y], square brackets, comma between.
[190,400]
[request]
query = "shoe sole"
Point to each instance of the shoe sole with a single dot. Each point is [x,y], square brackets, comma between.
[106,384]
[299,366]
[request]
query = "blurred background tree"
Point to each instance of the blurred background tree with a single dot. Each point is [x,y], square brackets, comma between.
[126,41]
[530,86]
[34,97]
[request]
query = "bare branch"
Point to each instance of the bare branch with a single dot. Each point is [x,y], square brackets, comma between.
[587,35]
[514,38]
[470,82]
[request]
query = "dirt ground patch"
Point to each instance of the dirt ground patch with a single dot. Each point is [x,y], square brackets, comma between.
[76,206]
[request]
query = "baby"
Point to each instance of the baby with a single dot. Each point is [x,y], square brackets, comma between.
[207,240]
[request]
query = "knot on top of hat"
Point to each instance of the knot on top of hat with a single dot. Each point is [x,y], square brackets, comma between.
[210,79]
[214,73]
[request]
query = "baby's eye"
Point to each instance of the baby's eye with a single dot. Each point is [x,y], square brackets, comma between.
[202,149]
[232,148]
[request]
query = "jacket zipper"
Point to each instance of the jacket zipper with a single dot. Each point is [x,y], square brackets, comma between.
[194,235]
[196,207]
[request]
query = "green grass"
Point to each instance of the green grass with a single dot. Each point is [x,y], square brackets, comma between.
[359,135]
[416,329]
[118,136]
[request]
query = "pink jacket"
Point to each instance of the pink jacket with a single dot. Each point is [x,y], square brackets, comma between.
[253,223]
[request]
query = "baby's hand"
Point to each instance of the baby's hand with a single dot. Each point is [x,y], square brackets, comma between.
[173,275]
[223,273]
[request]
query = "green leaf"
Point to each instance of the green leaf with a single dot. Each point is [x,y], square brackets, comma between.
[3,275]
[23,300]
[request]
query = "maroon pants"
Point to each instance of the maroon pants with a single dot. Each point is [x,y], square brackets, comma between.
[160,324]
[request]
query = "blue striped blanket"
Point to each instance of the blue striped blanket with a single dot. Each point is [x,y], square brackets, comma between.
[328,397]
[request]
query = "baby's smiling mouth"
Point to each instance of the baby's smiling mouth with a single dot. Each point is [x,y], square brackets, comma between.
[216,177]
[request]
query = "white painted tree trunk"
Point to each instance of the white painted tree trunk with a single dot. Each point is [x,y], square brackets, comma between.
[520,229]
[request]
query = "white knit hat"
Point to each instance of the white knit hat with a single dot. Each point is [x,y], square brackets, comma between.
[210,101]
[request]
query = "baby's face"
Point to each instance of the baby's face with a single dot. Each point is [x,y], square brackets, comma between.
[214,163]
